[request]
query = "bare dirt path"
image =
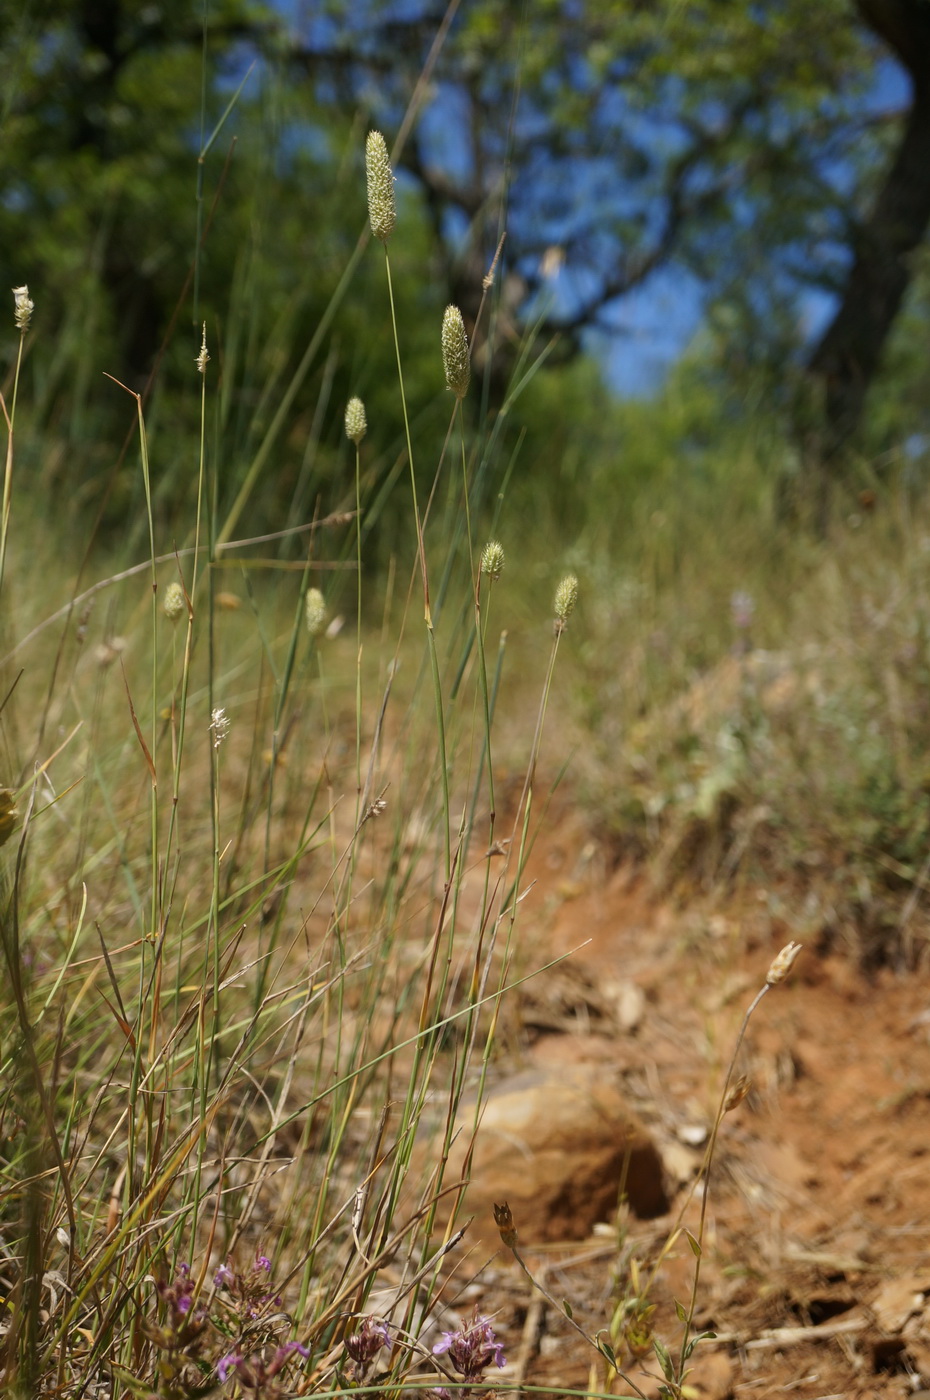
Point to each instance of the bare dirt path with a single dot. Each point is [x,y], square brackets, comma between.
[817,1249]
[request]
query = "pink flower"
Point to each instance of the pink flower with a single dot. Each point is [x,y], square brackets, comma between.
[473,1347]
[364,1345]
[230,1362]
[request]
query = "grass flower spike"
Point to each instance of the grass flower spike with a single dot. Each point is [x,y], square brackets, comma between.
[356,422]
[382,210]
[203,357]
[455,352]
[23,308]
[173,604]
[315,612]
[566,596]
[492,560]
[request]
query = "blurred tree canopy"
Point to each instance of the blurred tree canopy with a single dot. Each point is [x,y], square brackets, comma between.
[747,146]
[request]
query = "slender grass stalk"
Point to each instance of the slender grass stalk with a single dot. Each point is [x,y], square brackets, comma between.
[776,974]
[23,312]
[565,598]
[252,1070]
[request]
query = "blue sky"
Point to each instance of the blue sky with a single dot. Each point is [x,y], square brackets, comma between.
[651,326]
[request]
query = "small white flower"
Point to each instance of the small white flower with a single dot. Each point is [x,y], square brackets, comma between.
[220,727]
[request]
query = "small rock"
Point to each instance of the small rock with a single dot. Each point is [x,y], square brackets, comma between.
[556,1144]
[681,1163]
[629,1003]
[711,1375]
[898,1299]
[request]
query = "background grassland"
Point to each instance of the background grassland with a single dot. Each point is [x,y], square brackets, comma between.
[242,995]
[260,905]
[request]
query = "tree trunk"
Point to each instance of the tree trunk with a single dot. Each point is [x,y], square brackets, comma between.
[844,363]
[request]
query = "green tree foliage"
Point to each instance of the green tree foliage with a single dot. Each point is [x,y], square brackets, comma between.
[130,240]
[743,143]
[737,144]
[623,136]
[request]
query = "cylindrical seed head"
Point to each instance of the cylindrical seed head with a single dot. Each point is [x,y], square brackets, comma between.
[315,612]
[382,211]
[23,308]
[173,602]
[492,560]
[566,596]
[455,352]
[356,422]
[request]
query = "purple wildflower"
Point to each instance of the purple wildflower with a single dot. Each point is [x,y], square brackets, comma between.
[473,1347]
[364,1345]
[178,1295]
[224,1277]
[263,1262]
[283,1352]
[253,1373]
[230,1362]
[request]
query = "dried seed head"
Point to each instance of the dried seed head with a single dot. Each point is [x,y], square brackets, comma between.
[356,422]
[315,612]
[455,352]
[203,357]
[782,964]
[173,602]
[363,1346]
[566,596]
[81,630]
[382,211]
[23,308]
[737,1092]
[487,280]
[492,560]
[503,1219]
